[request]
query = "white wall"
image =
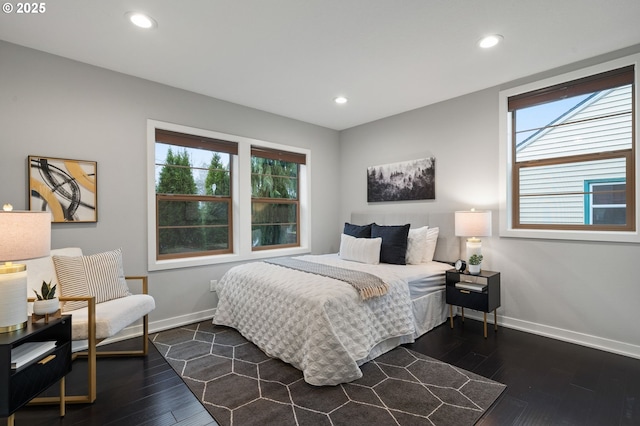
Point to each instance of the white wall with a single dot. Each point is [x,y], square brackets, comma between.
[50,106]
[577,291]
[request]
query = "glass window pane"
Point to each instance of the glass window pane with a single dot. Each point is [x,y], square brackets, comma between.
[193,226]
[609,194]
[185,170]
[600,121]
[193,240]
[556,194]
[180,240]
[609,216]
[552,210]
[179,213]
[273,224]
[272,235]
[273,178]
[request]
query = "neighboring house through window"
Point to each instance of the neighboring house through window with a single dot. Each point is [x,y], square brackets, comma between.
[572,155]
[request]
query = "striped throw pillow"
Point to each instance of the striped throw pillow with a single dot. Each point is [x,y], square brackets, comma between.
[100,275]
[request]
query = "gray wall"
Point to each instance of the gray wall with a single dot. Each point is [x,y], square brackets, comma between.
[577,291]
[51,106]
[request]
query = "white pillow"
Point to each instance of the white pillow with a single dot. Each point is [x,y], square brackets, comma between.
[100,275]
[416,245]
[363,250]
[432,238]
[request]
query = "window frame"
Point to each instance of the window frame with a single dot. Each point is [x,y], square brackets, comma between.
[174,138]
[508,170]
[290,157]
[240,201]
[184,197]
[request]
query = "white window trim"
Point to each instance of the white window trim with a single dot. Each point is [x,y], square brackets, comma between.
[241,199]
[505,160]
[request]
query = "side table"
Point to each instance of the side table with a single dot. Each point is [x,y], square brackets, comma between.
[20,384]
[479,292]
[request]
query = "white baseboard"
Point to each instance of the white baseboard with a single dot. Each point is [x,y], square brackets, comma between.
[174,322]
[608,345]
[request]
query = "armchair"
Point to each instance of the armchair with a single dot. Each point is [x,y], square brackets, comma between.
[94,292]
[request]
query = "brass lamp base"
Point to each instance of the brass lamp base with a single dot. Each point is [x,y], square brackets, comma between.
[11,328]
[13,297]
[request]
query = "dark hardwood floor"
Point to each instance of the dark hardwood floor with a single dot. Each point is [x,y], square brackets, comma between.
[548,383]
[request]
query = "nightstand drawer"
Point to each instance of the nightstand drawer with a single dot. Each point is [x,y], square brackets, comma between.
[31,380]
[467,299]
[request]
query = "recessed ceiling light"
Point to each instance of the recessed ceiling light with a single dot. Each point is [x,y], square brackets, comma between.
[141,20]
[490,41]
[340,100]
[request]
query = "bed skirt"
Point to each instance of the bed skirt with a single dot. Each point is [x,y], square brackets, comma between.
[429,312]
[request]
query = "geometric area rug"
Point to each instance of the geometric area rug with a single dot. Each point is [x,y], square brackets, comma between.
[241,386]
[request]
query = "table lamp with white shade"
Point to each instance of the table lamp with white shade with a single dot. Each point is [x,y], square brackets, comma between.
[473,224]
[23,235]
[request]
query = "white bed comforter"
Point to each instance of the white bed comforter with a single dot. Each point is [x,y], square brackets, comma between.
[317,324]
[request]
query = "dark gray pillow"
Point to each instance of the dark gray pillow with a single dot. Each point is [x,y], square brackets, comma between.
[358,231]
[394,243]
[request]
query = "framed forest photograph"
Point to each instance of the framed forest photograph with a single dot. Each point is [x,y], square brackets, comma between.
[404,181]
[66,188]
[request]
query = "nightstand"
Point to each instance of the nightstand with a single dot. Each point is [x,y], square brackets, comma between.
[478,292]
[47,361]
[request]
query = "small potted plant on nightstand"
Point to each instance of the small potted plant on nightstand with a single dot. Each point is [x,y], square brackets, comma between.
[474,264]
[47,302]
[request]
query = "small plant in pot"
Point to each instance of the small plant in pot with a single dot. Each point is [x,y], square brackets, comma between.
[47,302]
[474,264]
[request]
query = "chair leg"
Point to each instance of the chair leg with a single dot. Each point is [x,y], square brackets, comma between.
[90,397]
[92,354]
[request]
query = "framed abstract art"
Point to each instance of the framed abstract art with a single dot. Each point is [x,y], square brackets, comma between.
[66,188]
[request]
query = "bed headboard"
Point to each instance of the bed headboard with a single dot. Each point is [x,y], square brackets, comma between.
[448,245]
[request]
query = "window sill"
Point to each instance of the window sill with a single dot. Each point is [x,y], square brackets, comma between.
[595,236]
[189,262]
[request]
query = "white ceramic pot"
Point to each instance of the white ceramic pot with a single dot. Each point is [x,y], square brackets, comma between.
[49,306]
[474,269]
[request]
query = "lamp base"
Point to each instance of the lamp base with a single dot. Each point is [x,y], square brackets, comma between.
[474,246]
[13,297]
[11,328]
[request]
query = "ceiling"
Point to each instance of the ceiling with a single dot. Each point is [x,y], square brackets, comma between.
[293,57]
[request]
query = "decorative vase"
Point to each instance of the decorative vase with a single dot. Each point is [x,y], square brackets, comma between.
[48,306]
[474,269]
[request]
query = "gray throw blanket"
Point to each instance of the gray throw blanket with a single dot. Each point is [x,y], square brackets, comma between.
[367,285]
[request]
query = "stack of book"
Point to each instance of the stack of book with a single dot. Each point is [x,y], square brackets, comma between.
[465,285]
[29,352]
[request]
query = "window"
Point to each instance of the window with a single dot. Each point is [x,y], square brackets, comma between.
[572,156]
[606,202]
[193,195]
[275,206]
[215,198]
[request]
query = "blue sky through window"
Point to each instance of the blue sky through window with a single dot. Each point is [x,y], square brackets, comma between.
[529,120]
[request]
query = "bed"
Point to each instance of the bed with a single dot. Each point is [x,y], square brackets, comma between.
[322,325]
